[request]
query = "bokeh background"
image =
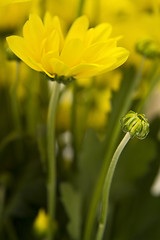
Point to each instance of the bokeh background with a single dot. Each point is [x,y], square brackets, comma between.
[24,96]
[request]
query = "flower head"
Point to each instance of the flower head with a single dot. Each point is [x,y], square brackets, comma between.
[82,53]
[136,124]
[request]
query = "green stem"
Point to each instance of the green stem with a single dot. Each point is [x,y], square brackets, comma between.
[74,124]
[153,81]
[74,105]
[51,158]
[15,105]
[80,7]
[110,141]
[107,186]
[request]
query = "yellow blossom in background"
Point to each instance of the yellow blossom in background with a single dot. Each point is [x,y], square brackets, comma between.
[110,80]
[116,10]
[97,115]
[60,8]
[146,5]
[6,2]
[64,109]
[13,15]
[82,53]
[96,98]
[41,222]
[134,20]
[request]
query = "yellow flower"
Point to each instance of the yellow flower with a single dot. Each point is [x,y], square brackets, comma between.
[82,53]
[98,113]
[41,222]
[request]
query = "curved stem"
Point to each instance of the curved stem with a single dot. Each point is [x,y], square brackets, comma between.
[51,158]
[107,186]
[113,134]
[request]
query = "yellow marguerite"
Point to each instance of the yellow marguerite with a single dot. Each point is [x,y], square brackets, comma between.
[82,53]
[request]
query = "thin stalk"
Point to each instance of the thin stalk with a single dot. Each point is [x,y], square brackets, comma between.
[153,80]
[143,102]
[74,105]
[113,133]
[51,158]
[15,105]
[73,125]
[80,7]
[107,186]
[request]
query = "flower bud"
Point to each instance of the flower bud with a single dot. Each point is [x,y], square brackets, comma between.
[136,124]
[148,48]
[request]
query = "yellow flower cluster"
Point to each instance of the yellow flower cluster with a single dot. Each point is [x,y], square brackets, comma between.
[84,52]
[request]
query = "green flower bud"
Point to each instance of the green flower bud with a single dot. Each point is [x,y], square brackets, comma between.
[148,48]
[136,124]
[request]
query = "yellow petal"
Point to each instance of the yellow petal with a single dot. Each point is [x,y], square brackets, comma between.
[33,29]
[47,20]
[33,32]
[58,67]
[89,37]
[98,50]
[57,25]
[78,29]
[18,47]
[46,61]
[72,52]
[102,32]
[52,42]
[120,55]
[51,24]
[85,70]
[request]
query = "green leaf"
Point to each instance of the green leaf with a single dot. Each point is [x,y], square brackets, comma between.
[72,203]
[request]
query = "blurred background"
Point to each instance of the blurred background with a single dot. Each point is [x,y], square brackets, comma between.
[81,145]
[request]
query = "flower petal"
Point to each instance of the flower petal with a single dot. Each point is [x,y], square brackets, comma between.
[98,50]
[120,55]
[17,45]
[33,29]
[78,29]
[72,52]
[46,61]
[102,32]
[52,42]
[85,70]
[58,67]
[53,23]
[33,32]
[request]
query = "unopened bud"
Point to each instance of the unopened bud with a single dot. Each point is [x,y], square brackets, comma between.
[136,124]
